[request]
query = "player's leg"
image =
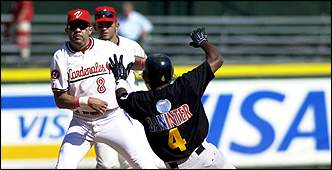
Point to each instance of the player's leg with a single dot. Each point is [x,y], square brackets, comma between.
[123,163]
[221,162]
[146,146]
[142,137]
[75,146]
[117,131]
[106,157]
[208,158]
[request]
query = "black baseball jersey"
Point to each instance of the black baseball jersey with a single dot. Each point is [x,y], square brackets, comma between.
[173,117]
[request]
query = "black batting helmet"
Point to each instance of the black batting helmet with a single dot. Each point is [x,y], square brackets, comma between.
[158,70]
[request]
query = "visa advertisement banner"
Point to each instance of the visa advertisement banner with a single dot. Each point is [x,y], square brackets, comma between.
[254,122]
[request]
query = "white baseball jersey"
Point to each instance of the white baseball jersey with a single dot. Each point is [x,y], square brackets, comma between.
[87,73]
[131,46]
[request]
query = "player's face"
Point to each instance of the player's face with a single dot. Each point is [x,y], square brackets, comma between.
[106,30]
[79,32]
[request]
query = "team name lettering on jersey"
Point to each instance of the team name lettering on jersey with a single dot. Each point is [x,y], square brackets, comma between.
[76,75]
[169,119]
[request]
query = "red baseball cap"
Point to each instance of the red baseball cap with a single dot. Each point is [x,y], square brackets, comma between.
[78,14]
[105,13]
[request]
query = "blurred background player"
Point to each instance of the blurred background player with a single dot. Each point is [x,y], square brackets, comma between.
[133,25]
[22,15]
[106,25]
[81,81]
[173,114]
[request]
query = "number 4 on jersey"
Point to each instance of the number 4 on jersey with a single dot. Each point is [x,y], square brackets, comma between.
[175,140]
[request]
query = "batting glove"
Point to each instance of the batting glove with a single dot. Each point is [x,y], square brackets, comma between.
[198,36]
[118,69]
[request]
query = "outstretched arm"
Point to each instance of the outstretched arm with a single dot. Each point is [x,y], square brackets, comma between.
[120,73]
[213,56]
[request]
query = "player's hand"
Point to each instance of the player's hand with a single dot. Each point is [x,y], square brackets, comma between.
[98,105]
[198,36]
[118,69]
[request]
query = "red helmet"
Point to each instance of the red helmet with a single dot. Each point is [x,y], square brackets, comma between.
[105,13]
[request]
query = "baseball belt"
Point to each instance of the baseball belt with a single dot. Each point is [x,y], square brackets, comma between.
[87,113]
[90,113]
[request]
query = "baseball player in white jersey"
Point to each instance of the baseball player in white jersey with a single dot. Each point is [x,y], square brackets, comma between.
[106,25]
[82,81]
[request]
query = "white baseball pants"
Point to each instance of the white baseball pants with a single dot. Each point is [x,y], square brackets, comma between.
[114,129]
